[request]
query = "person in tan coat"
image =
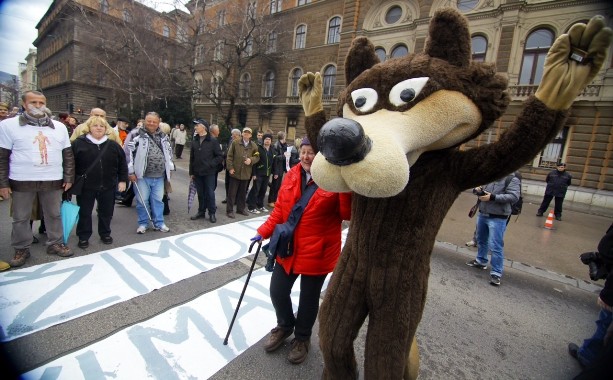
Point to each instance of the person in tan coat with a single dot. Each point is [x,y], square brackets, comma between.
[242,155]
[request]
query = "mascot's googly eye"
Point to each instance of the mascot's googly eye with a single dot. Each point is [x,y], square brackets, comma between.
[364,99]
[407,90]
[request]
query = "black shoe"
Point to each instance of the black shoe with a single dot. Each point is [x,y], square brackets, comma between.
[106,239]
[83,244]
[198,216]
[559,218]
[224,201]
[212,218]
[573,350]
[476,264]
[166,212]
[124,203]
[539,214]
[35,240]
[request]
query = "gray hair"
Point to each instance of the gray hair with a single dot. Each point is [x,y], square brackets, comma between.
[215,127]
[236,131]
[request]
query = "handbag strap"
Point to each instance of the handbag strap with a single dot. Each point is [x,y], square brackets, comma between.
[298,209]
[91,166]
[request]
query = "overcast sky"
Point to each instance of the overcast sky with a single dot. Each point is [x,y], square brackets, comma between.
[18,19]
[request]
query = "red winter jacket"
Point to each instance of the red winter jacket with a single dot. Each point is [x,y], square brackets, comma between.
[317,238]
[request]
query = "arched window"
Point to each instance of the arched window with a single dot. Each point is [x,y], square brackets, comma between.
[199,54]
[479,47]
[399,51]
[268,84]
[166,31]
[300,41]
[380,52]
[104,6]
[127,16]
[244,86]
[535,51]
[334,30]
[294,78]
[467,5]
[215,86]
[329,80]
[218,53]
[393,14]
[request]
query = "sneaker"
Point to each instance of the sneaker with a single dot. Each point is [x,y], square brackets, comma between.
[559,218]
[539,214]
[21,255]
[471,243]
[276,338]
[83,244]
[494,280]
[141,229]
[253,211]
[299,351]
[162,228]
[476,264]
[262,209]
[59,249]
[106,239]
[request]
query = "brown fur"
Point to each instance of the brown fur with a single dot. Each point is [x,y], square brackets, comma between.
[384,266]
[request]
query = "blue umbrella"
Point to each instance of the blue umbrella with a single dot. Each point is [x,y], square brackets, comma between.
[70,215]
[191,195]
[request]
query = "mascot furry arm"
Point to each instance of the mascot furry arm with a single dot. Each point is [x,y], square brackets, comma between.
[396,148]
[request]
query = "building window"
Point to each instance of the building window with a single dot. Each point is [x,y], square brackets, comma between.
[251,9]
[275,6]
[268,84]
[271,44]
[535,51]
[479,47]
[552,154]
[165,62]
[199,54]
[380,52]
[221,18]
[218,53]
[393,14]
[300,42]
[244,86]
[249,47]
[181,34]
[294,78]
[329,80]
[399,51]
[467,5]
[166,31]
[127,16]
[303,2]
[104,6]
[215,86]
[334,30]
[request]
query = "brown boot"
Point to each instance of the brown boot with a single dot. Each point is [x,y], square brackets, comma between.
[276,338]
[299,351]
[59,249]
[21,254]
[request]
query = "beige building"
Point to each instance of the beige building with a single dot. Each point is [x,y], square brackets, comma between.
[315,36]
[27,73]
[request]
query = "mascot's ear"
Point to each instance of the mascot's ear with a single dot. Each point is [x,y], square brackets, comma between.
[361,57]
[449,37]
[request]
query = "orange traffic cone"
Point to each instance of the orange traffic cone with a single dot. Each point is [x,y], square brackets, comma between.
[549,221]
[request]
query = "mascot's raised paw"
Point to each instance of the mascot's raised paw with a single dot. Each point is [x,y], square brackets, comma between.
[572,63]
[310,89]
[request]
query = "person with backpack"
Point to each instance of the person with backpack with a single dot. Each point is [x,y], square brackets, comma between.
[495,203]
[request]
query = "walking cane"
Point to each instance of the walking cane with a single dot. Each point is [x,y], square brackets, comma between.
[240,299]
[142,200]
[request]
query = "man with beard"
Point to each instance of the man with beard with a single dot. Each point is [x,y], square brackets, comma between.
[24,176]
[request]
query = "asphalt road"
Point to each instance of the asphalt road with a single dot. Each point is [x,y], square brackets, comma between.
[469,329]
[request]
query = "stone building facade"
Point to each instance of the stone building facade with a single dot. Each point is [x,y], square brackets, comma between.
[316,35]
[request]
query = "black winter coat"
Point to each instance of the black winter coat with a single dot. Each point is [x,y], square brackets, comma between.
[111,168]
[557,183]
[264,167]
[205,156]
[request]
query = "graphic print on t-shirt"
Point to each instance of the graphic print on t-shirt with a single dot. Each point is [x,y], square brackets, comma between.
[42,148]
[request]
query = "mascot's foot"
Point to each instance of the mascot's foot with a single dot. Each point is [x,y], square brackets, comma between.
[276,338]
[299,351]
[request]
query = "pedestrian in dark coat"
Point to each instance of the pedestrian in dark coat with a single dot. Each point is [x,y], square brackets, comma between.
[261,175]
[101,182]
[557,183]
[204,159]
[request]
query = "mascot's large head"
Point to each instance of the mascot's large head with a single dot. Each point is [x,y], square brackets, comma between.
[395,111]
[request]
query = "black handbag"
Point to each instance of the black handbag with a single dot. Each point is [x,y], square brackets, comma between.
[77,186]
[282,239]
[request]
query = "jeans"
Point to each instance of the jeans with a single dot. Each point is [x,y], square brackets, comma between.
[557,210]
[205,186]
[152,191]
[281,285]
[257,192]
[490,237]
[106,206]
[594,346]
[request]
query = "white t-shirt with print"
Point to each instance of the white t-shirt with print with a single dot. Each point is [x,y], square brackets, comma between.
[36,151]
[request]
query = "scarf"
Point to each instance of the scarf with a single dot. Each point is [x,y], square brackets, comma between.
[44,121]
[96,141]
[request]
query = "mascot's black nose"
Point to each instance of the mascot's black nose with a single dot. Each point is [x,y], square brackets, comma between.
[343,142]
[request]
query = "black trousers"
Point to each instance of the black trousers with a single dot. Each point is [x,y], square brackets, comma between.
[308,306]
[256,195]
[237,192]
[179,150]
[106,206]
[275,185]
[557,210]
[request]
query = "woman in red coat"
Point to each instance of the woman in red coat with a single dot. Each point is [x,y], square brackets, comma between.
[316,248]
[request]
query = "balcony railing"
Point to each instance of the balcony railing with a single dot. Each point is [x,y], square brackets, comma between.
[523,91]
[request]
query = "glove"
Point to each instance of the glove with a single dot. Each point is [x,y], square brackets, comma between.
[564,77]
[257,237]
[310,90]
